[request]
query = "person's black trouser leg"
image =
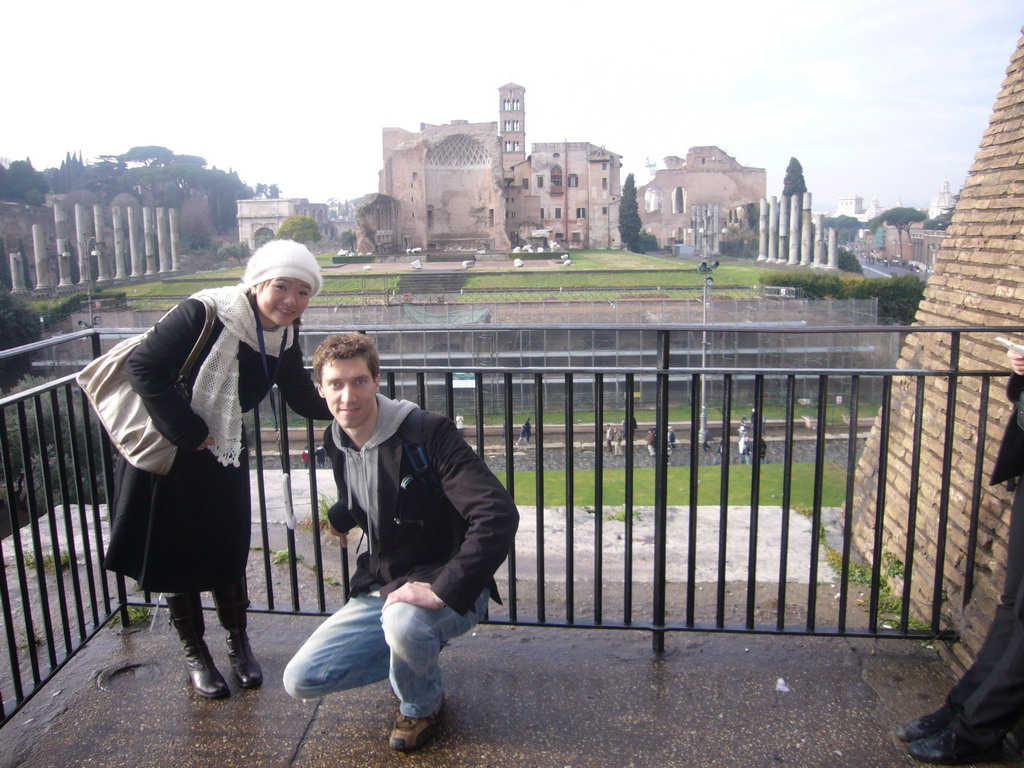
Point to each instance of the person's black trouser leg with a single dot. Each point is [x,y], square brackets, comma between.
[186,611]
[232,600]
[989,699]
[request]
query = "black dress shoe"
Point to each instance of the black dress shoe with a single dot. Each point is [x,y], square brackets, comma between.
[946,748]
[924,726]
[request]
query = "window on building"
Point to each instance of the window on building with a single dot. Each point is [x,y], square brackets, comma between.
[556,177]
[581,213]
[558,213]
[526,183]
[604,210]
[604,166]
[414,175]
[542,214]
[574,180]
[540,182]
[604,183]
[653,200]
[576,237]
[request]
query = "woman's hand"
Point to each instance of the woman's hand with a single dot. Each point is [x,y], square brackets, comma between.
[205,444]
[1016,362]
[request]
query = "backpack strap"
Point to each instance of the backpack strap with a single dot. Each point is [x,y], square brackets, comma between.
[411,433]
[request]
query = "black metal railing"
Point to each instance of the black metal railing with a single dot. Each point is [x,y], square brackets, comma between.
[642,538]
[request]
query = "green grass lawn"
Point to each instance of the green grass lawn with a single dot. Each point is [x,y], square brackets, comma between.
[709,492]
[591,270]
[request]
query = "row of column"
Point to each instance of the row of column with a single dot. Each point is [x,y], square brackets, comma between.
[156,252]
[791,234]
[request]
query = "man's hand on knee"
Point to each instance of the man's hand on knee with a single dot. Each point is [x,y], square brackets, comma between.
[414,592]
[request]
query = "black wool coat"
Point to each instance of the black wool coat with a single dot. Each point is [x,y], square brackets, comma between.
[454,540]
[189,530]
[1010,459]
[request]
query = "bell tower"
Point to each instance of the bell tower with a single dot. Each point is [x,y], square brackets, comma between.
[512,124]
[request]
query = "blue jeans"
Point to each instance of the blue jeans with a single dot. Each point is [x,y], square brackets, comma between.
[360,644]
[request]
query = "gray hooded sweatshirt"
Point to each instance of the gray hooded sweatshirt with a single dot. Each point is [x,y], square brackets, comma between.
[361,464]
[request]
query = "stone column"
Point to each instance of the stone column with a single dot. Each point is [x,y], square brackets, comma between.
[60,225]
[17,272]
[84,264]
[39,244]
[833,250]
[794,230]
[762,231]
[64,268]
[172,219]
[161,239]
[147,239]
[819,239]
[806,251]
[773,230]
[783,227]
[138,263]
[119,270]
[103,268]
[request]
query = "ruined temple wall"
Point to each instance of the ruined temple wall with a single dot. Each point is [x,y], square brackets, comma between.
[978,280]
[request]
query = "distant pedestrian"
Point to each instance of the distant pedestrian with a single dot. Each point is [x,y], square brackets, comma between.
[460,424]
[609,437]
[620,438]
[305,456]
[321,456]
[744,448]
[651,436]
[524,433]
[671,440]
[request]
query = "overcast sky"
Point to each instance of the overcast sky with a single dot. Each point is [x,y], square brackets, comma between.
[882,98]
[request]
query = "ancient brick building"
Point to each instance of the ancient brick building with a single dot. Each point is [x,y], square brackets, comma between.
[707,176]
[470,186]
[978,280]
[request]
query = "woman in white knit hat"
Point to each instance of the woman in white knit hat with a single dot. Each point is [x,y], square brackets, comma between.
[188,531]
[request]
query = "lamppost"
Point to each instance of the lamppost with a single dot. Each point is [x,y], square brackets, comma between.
[703,219]
[87,263]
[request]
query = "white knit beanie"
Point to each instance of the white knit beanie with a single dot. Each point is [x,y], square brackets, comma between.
[283,258]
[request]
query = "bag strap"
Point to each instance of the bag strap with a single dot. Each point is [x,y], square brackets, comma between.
[411,433]
[181,383]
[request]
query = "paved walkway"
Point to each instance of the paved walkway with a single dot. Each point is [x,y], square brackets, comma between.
[516,697]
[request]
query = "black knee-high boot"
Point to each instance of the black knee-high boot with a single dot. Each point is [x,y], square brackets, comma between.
[187,617]
[232,601]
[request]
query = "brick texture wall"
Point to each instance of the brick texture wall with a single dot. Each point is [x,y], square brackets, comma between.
[979,280]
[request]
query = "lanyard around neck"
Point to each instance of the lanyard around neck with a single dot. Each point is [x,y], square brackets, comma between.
[263,353]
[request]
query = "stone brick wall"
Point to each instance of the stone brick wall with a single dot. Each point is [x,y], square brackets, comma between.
[978,280]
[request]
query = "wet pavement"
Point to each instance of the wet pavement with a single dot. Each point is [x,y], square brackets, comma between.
[515,697]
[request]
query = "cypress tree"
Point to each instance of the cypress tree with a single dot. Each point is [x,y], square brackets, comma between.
[629,214]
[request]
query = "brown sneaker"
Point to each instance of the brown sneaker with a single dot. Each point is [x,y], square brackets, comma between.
[413,732]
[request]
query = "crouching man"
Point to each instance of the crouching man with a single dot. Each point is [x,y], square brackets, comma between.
[437,524]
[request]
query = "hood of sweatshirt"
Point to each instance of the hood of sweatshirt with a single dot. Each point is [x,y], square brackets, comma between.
[361,477]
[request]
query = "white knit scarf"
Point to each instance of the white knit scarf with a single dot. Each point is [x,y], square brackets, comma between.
[215,394]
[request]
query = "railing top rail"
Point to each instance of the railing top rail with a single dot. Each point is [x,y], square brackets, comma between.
[797,327]
[27,394]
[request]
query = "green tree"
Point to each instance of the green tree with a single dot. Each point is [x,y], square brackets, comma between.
[794,183]
[238,251]
[18,325]
[21,183]
[847,227]
[629,214]
[847,262]
[348,239]
[901,218]
[301,229]
[898,297]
